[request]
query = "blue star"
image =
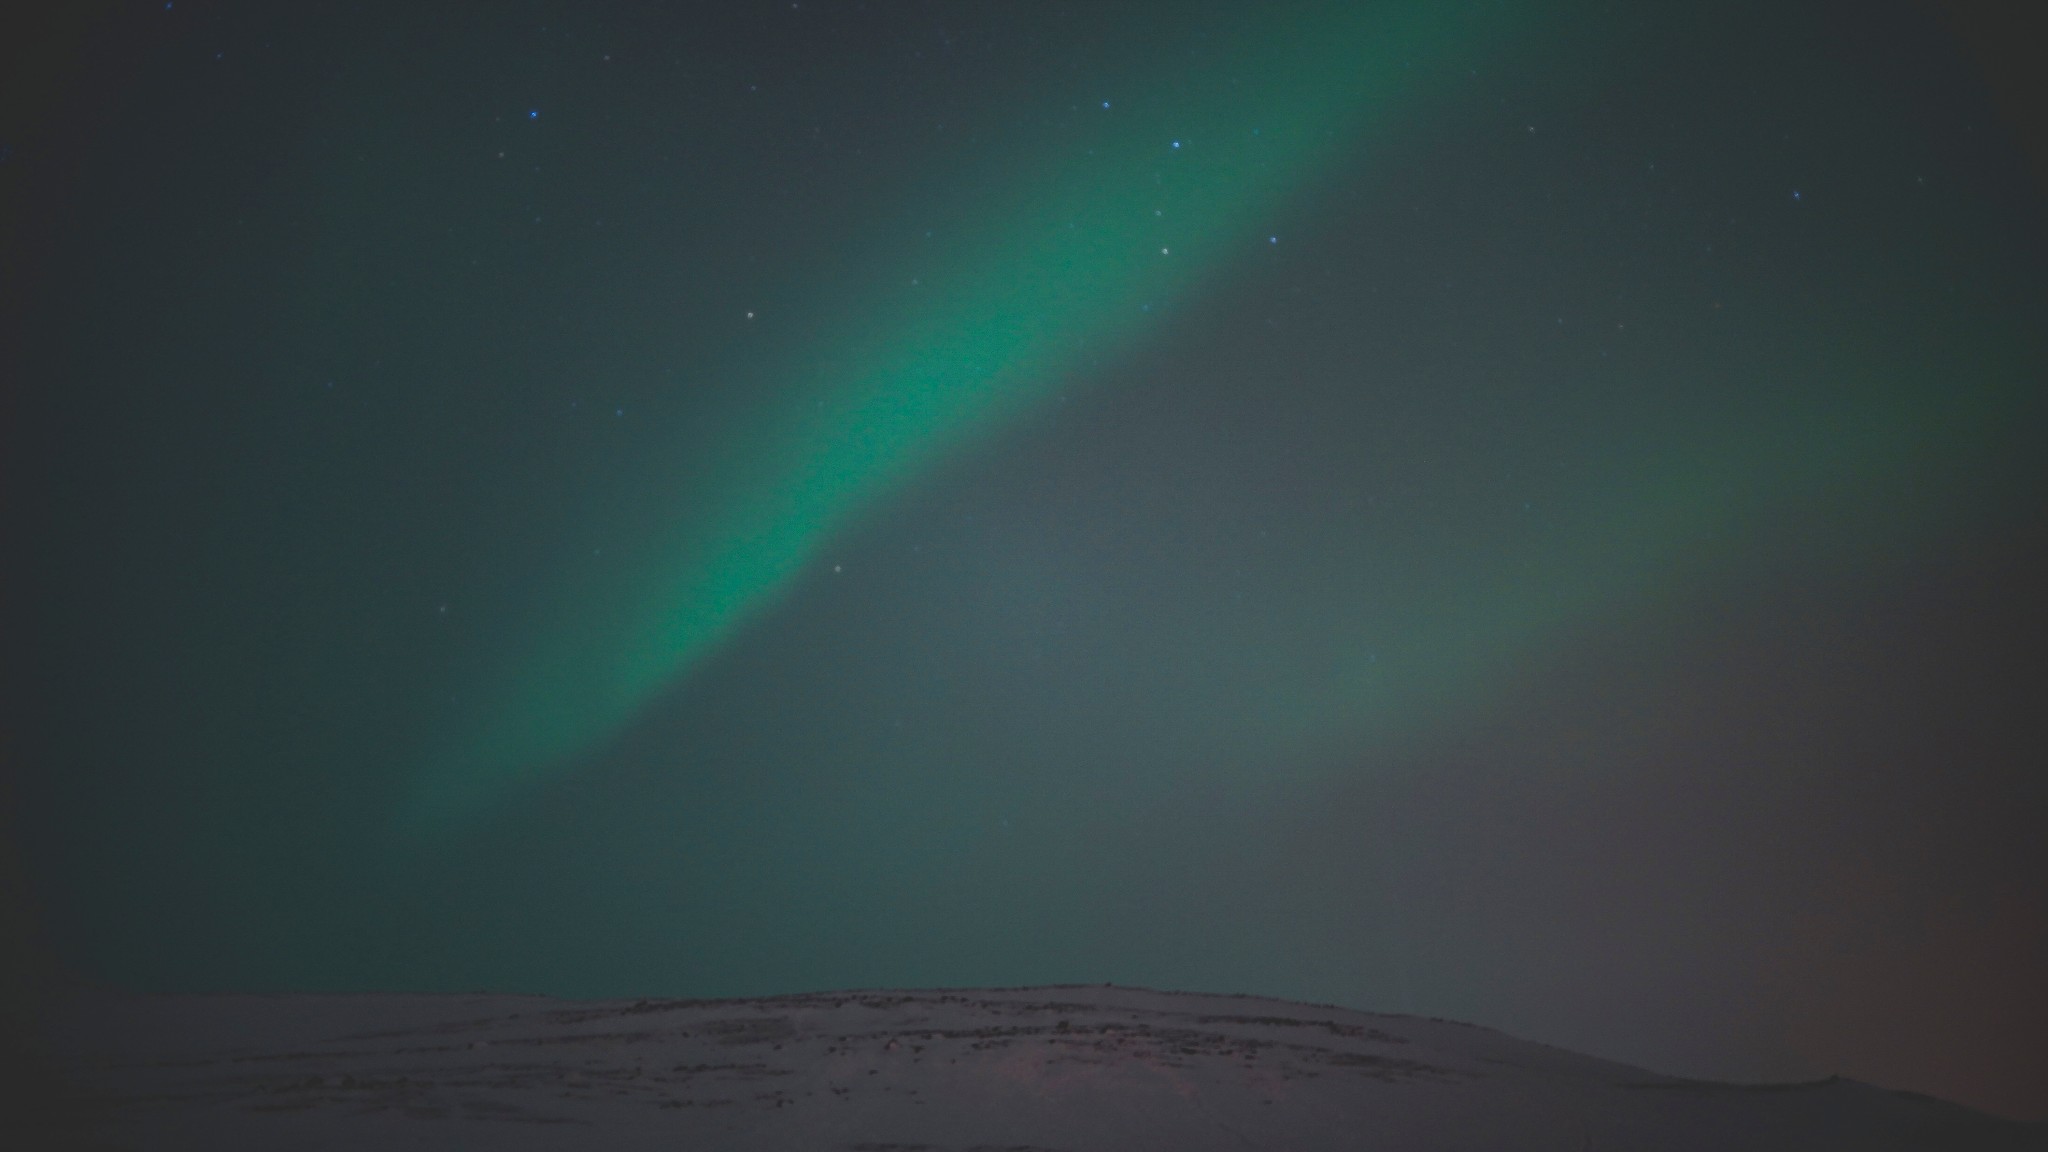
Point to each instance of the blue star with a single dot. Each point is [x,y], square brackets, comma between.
[533,114]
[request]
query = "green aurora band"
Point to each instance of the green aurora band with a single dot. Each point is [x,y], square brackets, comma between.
[1054,271]
[1139,209]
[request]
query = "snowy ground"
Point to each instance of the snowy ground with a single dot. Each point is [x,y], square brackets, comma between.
[1059,1069]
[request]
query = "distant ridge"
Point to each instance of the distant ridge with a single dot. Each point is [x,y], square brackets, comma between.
[1060,1068]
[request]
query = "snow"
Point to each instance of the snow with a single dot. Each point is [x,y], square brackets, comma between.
[1053,1069]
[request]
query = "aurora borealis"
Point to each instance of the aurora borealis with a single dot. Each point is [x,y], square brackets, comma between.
[1521,513]
[1094,221]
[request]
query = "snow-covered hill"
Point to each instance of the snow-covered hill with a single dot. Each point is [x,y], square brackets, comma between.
[1072,1069]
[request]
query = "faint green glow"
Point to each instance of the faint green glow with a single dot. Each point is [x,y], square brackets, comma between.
[1082,233]
[1867,446]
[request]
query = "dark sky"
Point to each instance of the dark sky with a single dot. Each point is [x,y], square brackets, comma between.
[1526,513]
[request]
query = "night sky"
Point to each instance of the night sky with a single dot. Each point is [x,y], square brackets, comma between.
[1526,513]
